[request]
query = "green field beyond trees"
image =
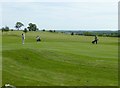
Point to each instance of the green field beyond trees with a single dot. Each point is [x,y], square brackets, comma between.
[58,60]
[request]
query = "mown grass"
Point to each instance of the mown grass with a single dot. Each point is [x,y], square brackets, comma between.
[59,60]
[0,58]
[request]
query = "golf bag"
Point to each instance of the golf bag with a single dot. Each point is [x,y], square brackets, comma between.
[93,42]
[38,40]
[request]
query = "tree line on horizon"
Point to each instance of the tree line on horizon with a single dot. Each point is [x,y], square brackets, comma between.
[104,34]
[18,25]
[33,27]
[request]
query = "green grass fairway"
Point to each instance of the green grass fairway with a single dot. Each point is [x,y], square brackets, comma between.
[0,58]
[59,60]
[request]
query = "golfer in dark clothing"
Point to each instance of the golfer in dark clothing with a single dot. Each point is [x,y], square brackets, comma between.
[96,39]
[38,39]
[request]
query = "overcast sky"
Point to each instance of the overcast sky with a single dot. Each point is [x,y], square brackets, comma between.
[94,15]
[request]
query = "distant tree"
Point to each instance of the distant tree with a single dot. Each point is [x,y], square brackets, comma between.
[43,30]
[18,25]
[32,27]
[6,28]
[25,30]
[50,31]
[11,29]
[72,33]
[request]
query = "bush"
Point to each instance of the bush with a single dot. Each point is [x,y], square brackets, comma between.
[72,33]
[43,30]
[11,29]
[25,30]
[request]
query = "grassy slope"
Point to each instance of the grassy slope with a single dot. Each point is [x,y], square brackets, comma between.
[60,59]
[0,59]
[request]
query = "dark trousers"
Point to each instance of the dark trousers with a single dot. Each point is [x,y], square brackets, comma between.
[96,41]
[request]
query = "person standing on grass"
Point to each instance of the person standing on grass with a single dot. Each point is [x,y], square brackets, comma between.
[23,38]
[96,39]
[38,39]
